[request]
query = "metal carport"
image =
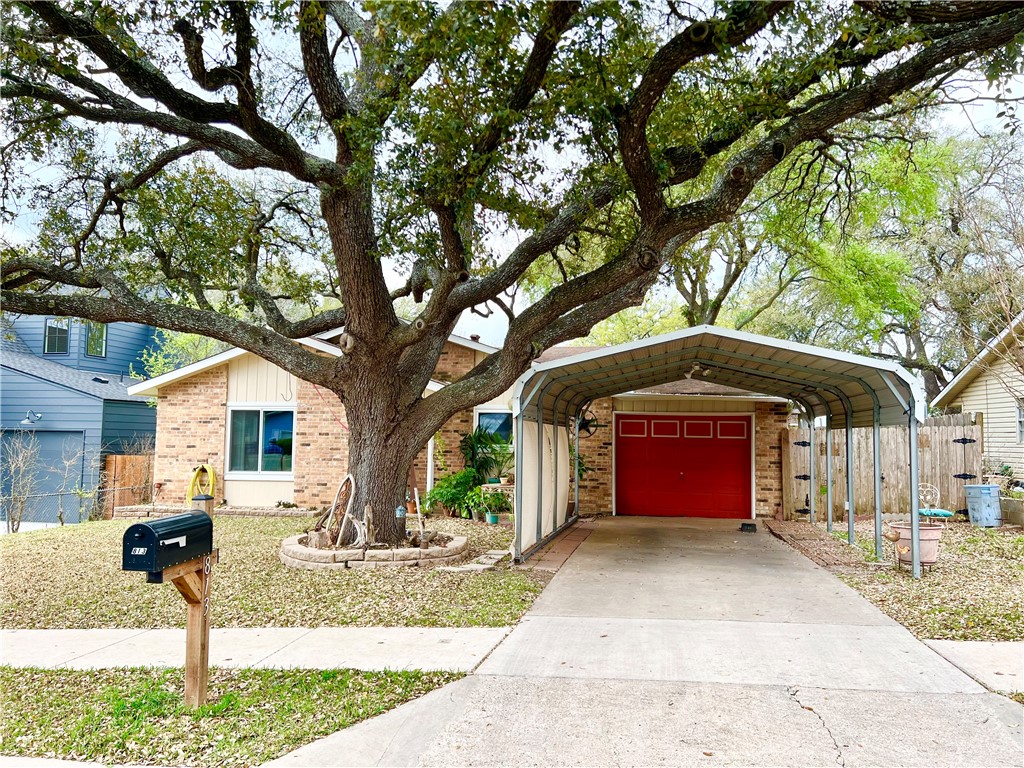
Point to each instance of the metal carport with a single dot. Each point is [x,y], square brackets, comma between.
[846,390]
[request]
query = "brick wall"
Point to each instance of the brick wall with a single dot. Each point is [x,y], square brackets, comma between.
[320,443]
[454,363]
[769,420]
[596,486]
[190,431]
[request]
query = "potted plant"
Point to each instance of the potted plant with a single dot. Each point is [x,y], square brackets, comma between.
[504,461]
[930,531]
[455,493]
[491,504]
[488,453]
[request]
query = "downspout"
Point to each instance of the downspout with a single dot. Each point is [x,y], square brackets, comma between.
[430,465]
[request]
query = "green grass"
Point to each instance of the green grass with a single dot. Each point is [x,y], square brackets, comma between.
[71,578]
[866,546]
[138,715]
[973,593]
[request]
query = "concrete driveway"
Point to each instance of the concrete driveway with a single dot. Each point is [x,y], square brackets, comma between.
[686,642]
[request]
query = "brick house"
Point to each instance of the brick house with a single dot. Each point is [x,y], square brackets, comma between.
[272,437]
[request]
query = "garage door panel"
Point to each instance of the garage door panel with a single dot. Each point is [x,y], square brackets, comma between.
[683,466]
[57,467]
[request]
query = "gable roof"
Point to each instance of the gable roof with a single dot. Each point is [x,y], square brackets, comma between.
[825,382]
[696,387]
[977,365]
[149,387]
[102,386]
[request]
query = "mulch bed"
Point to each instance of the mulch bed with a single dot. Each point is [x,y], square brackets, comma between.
[815,544]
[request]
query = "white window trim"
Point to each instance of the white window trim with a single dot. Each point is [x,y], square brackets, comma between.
[46,334]
[1020,421]
[258,474]
[88,333]
[493,409]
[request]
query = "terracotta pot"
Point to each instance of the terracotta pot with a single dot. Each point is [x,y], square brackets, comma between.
[930,535]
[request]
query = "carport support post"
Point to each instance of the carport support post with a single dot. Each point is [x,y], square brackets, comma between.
[915,521]
[828,473]
[517,502]
[810,449]
[849,476]
[576,467]
[876,440]
[540,465]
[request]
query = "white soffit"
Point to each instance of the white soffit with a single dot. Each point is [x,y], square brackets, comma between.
[825,381]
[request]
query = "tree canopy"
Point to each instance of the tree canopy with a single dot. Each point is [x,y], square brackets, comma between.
[246,171]
[950,235]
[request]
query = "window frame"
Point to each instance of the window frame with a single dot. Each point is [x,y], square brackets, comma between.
[1020,421]
[494,409]
[259,473]
[46,334]
[90,326]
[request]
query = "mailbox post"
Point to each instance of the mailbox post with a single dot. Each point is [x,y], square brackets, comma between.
[203,503]
[180,549]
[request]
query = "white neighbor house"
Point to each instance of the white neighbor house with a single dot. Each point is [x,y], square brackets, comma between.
[993,384]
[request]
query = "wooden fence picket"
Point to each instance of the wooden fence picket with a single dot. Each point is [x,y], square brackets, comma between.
[950,457]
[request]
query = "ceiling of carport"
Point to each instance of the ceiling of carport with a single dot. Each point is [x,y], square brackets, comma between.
[828,382]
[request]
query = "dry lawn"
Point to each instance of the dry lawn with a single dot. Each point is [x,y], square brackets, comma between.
[138,716]
[974,592]
[71,578]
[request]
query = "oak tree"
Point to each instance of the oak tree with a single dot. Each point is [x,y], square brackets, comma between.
[463,142]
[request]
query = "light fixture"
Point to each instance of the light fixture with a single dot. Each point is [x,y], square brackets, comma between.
[31,417]
[695,370]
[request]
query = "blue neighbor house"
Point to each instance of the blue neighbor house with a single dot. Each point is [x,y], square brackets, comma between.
[64,406]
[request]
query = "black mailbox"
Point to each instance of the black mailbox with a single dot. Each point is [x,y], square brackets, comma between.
[167,541]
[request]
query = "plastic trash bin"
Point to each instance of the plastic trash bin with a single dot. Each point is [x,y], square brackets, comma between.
[983,505]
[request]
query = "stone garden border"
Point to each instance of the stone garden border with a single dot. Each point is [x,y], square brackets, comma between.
[295,554]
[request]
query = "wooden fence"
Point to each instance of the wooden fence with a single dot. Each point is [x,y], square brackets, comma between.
[127,481]
[950,456]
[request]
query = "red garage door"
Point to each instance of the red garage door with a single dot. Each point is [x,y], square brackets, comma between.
[683,466]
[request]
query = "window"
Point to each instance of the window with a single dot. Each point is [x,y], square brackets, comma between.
[496,422]
[95,339]
[55,339]
[1020,421]
[260,441]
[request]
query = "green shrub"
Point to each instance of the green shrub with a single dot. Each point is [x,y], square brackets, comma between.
[455,492]
[488,453]
[494,503]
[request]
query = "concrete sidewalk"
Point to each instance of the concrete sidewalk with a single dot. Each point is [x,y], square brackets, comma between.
[364,648]
[997,666]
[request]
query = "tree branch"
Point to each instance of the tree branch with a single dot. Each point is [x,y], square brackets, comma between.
[699,39]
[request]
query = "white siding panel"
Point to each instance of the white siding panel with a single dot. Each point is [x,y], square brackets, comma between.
[258,493]
[252,379]
[994,393]
[680,405]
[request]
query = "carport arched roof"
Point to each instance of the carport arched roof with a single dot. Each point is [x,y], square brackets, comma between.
[827,383]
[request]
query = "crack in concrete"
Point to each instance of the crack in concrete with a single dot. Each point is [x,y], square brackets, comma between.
[793,692]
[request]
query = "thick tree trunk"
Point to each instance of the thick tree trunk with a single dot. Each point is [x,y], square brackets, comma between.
[380,469]
[382,446]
